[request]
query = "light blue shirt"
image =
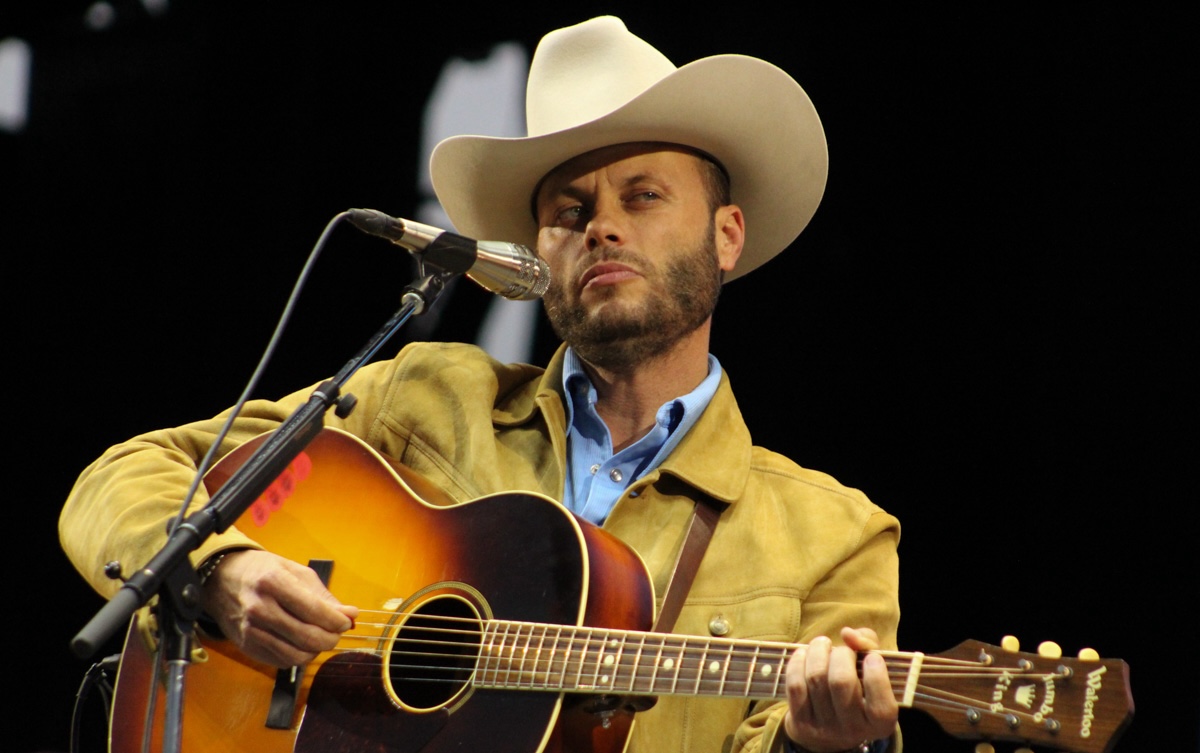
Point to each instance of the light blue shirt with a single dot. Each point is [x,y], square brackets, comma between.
[596,477]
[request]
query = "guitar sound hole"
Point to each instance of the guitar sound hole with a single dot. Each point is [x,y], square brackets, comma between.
[434,651]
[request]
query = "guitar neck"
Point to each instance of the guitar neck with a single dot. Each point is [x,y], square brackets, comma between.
[973,691]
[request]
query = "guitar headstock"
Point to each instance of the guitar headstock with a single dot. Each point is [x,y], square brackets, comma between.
[1000,694]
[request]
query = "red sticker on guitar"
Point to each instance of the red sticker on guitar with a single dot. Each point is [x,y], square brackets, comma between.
[280,489]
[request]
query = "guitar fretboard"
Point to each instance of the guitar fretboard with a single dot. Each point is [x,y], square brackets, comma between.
[529,656]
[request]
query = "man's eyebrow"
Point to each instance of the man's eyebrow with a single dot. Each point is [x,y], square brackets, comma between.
[568,189]
[639,178]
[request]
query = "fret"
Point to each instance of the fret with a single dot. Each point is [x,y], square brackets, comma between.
[600,680]
[599,661]
[657,663]
[567,658]
[537,653]
[503,661]
[779,672]
[751,670]
[637,663]
[678,664]
[725,669]
[701,666]
[587,643]
[516,659]
[615,674]
[554,649]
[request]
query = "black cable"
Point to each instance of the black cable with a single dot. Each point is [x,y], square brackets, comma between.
[96,676]
[258,371]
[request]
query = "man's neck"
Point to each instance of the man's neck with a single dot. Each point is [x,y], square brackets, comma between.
[628,400]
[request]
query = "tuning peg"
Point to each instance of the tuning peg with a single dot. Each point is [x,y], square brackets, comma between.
[1010,643]
[1049,650]
[985,748]
[1089,654]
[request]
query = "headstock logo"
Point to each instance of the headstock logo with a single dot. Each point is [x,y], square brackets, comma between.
[1090,699]
[1024,695]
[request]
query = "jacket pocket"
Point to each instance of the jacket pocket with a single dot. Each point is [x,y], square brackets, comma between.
[767,614]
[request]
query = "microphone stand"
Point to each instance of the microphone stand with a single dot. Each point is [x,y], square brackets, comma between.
[169,573]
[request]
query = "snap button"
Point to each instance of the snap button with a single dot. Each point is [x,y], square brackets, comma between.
[718,625]
[595,468]
[615,474]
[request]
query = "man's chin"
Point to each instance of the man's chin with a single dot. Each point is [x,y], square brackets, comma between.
[623,294]
[604,330]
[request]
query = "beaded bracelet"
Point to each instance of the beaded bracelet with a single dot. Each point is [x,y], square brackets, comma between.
[209,566]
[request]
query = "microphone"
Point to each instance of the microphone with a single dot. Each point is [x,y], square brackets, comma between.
[507,269]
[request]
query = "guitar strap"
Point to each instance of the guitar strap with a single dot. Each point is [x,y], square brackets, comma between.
[700,530]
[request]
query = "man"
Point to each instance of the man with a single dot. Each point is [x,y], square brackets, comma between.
[643,187]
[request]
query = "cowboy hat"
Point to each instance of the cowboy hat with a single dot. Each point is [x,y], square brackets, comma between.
[595,84]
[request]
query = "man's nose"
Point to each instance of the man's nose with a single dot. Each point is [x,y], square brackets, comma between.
[605,227]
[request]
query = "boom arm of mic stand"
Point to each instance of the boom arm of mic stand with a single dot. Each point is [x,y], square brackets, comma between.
[247,483]
[180,603]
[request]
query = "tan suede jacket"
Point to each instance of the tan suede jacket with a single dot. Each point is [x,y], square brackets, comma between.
[795,555]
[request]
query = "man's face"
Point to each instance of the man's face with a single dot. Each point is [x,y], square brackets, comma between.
[635,250]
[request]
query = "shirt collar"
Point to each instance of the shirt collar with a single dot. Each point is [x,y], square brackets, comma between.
[679,413]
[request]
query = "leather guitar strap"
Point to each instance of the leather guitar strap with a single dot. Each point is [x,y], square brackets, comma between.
[700,530]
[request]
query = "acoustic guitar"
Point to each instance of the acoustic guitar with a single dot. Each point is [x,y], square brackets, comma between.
[507,624]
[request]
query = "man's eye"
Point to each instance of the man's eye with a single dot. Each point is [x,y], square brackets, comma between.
[569,214]
[646,196]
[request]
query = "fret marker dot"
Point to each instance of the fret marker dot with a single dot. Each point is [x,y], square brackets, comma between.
[766,670]
[604,680]
[608,660]
[667,664]
[714,666]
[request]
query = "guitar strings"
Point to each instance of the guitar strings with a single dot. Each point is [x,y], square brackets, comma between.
[554,672]
[582,652]
[587,637]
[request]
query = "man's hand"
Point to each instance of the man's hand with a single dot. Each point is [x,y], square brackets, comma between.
[275,610]
[829,708]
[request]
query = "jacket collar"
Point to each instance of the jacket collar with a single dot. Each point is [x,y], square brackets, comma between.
[714,457]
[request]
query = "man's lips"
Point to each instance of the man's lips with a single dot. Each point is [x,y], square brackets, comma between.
[606,273]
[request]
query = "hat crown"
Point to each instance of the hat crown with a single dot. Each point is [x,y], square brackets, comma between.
[586,71]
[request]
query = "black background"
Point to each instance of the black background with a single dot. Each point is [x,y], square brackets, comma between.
[986,327]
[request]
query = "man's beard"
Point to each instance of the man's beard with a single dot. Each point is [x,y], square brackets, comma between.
[685,298]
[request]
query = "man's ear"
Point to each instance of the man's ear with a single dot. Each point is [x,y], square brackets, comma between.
[730,227]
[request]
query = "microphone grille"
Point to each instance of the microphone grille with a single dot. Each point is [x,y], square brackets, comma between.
[541,279]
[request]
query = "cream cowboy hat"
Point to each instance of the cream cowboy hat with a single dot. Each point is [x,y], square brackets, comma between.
[595,84]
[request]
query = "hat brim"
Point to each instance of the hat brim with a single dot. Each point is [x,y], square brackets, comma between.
[748,114]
